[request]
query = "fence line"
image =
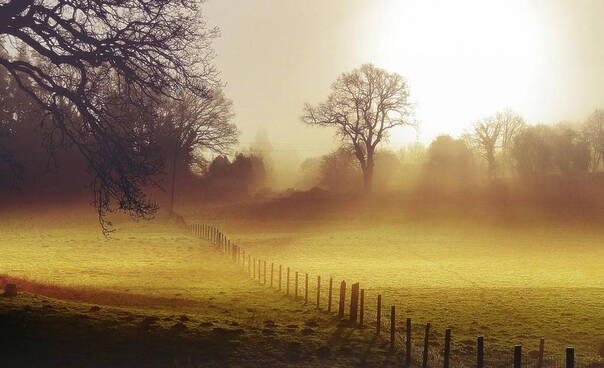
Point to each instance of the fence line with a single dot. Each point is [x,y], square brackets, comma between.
[400,337]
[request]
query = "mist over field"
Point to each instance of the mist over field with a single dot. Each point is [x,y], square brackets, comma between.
[273,184]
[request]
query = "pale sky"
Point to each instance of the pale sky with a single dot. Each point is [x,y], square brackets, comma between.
[462,59]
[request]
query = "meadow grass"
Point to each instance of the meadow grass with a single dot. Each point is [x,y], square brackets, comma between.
[153,296]
[511,283]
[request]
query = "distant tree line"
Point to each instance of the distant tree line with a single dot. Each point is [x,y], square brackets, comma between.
[498,151]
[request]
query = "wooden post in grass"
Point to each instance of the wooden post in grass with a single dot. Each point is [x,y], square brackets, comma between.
[541,349]
[570,357]
[305,288]
[272,272]
[296,286]
[426,340]
[354,302]
[318,291]
[249,263]
[480,352]
[329,294]
[279,277]
[362,308]
[264,272]
[342,299]
[518,356]
[243,259]
[287,283]
[254,273]
[259,270]
[447,348]
[408,343]
[378,323]
[392,327]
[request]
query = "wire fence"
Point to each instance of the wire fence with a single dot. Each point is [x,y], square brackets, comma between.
[418,345]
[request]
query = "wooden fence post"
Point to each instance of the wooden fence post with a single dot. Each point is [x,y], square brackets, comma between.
[329,294]
[254,273]
[378,325]
[296,286]
[392,327]
[280,266]
[426,340]
[518,356]
[362,309]
[264,280]
[305,288]
[318,291]
[354,302]
[342,299]
[249,263]
[447,348]
[570,357]
[480,352]
[408,343]
[259,270]
[272,272]
[541,349]
[287,283]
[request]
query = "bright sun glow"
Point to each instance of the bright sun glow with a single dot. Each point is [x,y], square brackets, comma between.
[463,60]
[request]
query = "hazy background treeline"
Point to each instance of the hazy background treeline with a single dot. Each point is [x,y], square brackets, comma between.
[500,158]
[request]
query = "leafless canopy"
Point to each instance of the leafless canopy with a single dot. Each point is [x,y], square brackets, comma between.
[493,137]
[363,106]
[82,49]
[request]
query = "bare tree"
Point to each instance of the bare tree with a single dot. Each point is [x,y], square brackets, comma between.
[493,137]
[486,134]
[193,125]
[364,105]
[145,48]
[593,132]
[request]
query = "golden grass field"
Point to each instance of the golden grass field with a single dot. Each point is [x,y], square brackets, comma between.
[152,270]
[511,285]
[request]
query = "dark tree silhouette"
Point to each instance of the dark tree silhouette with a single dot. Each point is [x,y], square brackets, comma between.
[593,131]
[82,48]
[493,138]
[363,106]
[191,125]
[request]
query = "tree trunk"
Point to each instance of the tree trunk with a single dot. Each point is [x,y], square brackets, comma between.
[173,184]
[492,166]
[368,177]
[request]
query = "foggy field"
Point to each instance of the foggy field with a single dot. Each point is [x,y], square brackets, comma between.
[149,270]
[509,283]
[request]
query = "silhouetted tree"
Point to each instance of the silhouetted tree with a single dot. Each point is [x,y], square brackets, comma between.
[237,179]
[338,172]
[492,137]
[448,164]
[363,106]
[146,48]
[191,125]
[544,150]
[593,132]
